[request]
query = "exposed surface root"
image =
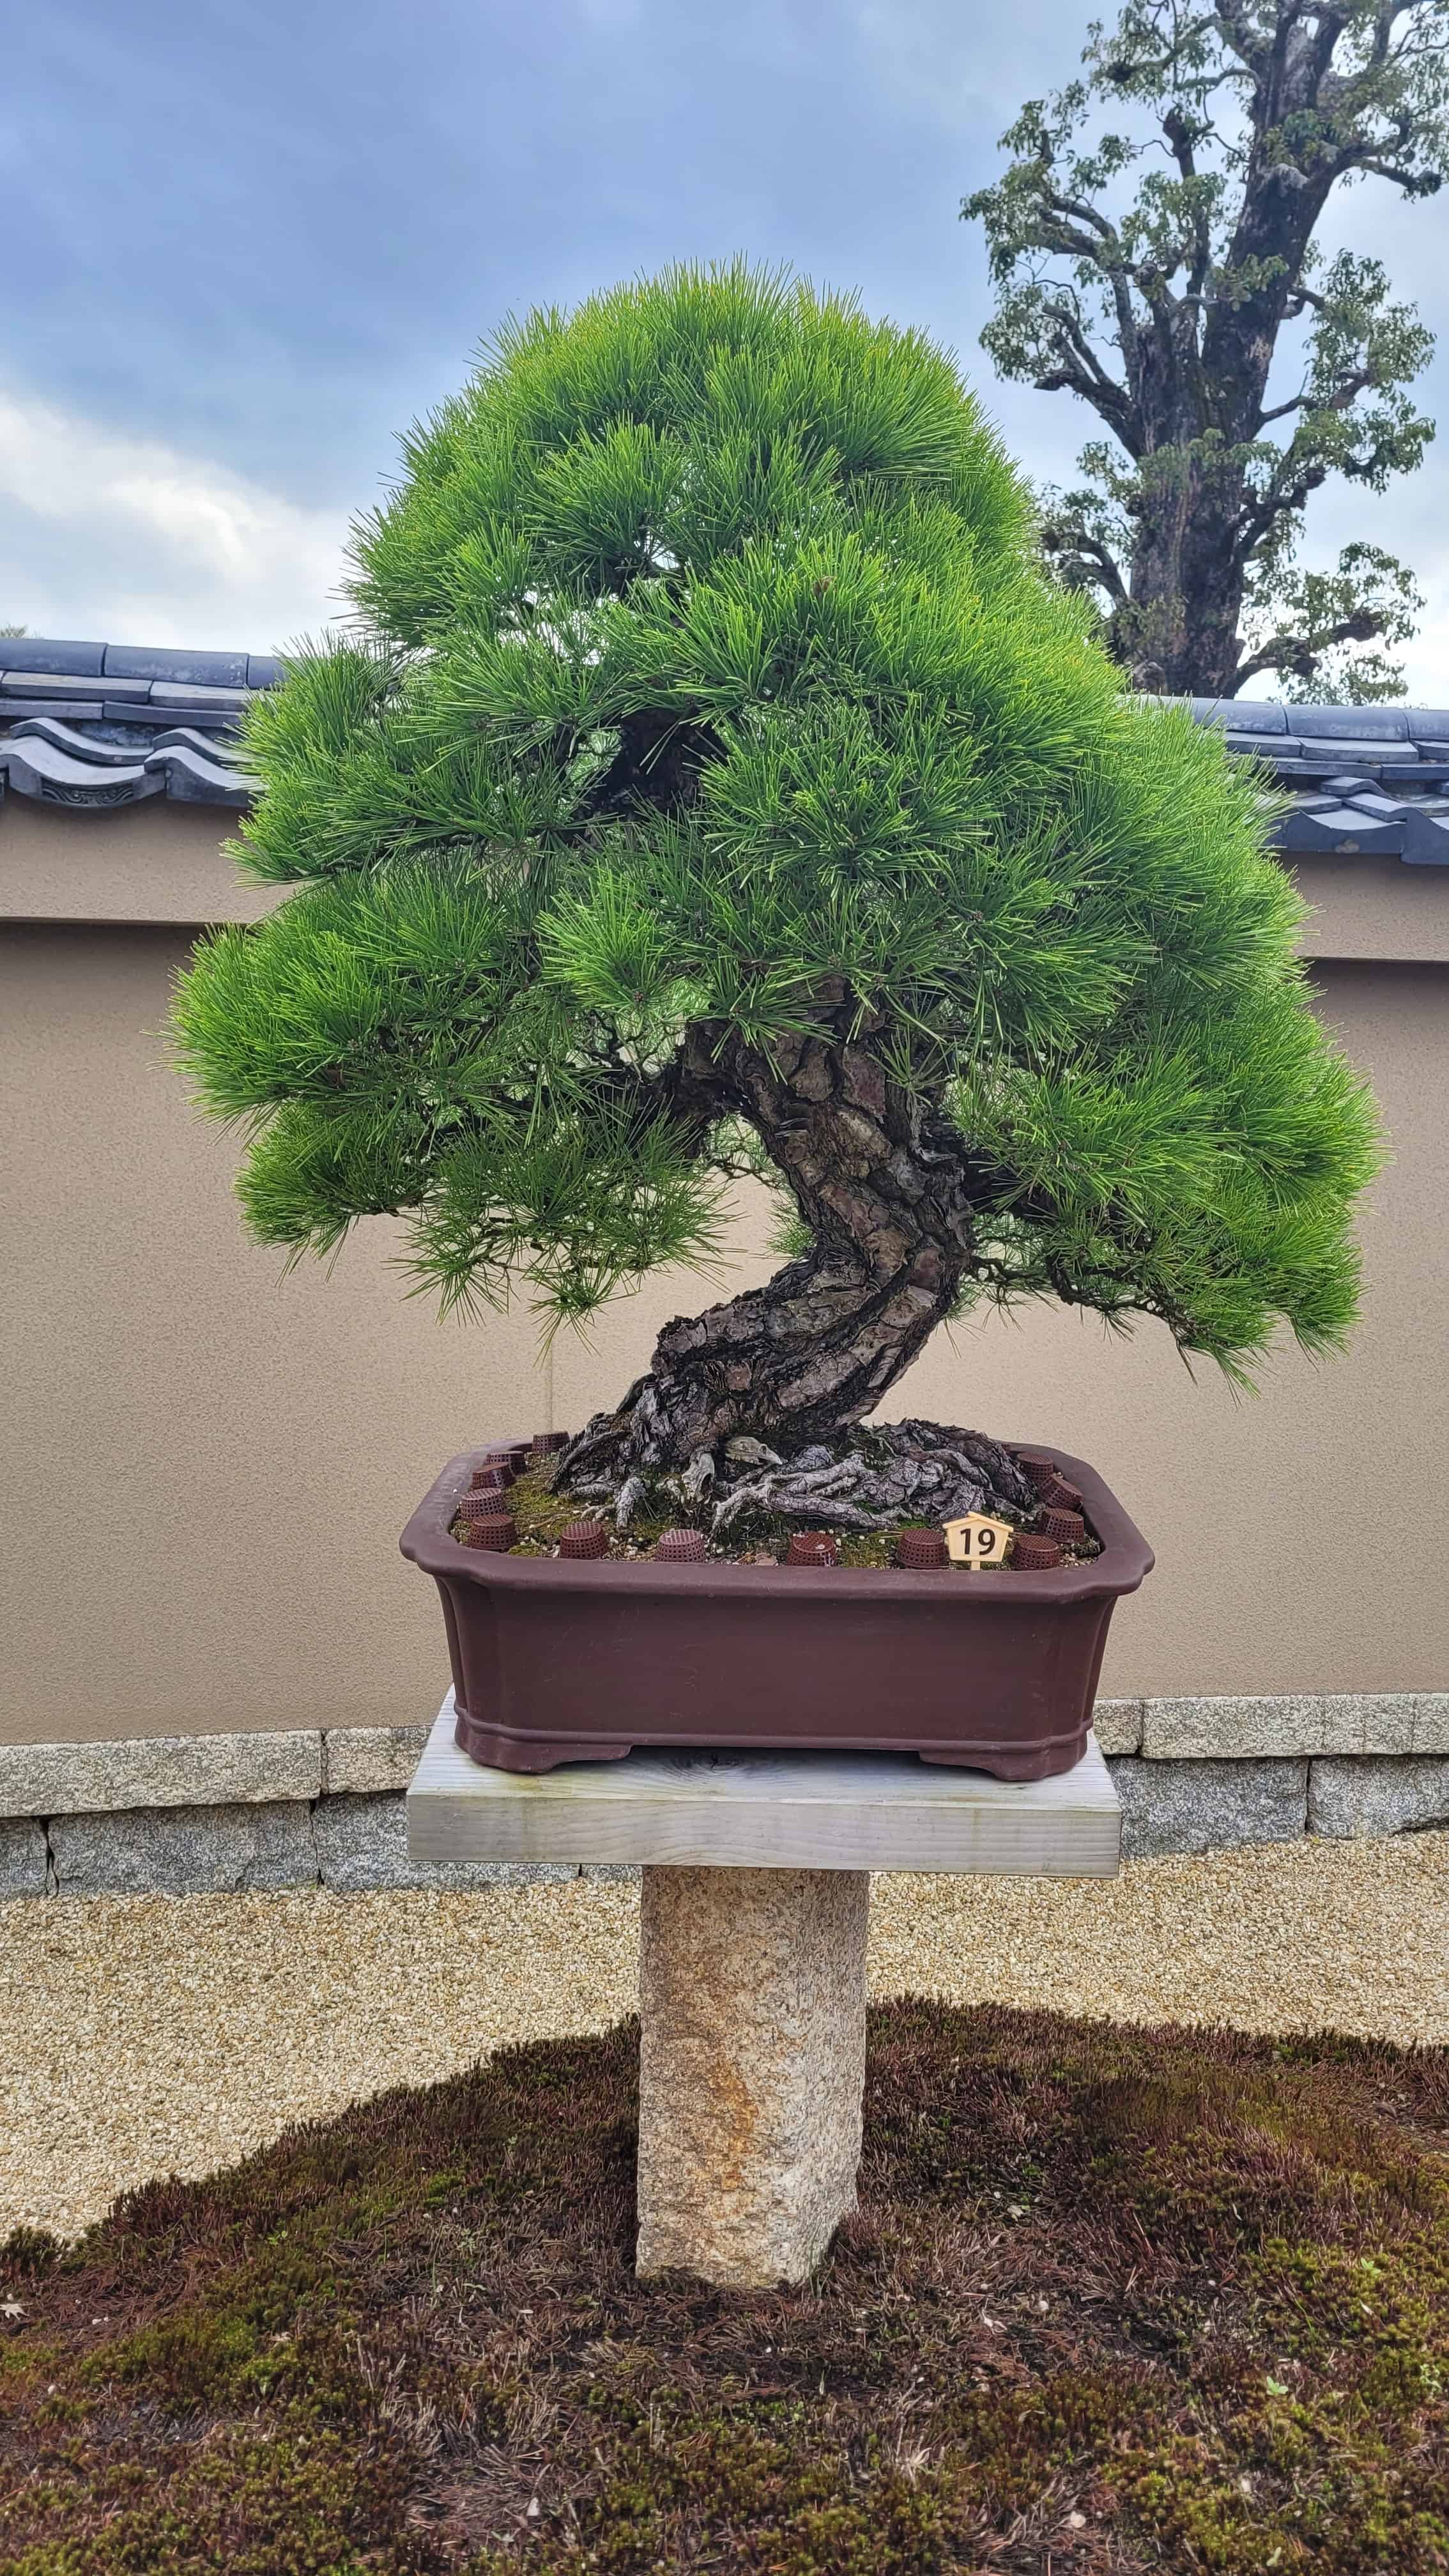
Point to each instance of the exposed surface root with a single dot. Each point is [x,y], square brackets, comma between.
[873,1478]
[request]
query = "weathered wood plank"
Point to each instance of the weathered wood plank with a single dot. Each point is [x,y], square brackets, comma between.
[766,1811]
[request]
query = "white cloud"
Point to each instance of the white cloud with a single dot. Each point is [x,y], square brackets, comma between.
[132,541]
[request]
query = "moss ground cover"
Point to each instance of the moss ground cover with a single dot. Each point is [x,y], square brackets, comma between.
[1114,2299]
[541,1515]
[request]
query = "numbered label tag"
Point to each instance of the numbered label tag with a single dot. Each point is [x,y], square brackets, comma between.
[977,1541]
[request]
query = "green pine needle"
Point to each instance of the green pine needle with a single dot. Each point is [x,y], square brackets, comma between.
[702,657]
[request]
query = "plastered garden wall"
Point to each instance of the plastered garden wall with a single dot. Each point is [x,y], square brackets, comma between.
[259,1441]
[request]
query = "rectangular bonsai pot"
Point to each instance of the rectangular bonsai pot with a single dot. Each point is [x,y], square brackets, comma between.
[562,1661]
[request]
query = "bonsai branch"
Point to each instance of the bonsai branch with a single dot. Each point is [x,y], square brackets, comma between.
[890,1194]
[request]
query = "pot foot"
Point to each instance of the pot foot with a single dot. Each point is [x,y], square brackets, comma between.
[500,1750]
[1042,1762]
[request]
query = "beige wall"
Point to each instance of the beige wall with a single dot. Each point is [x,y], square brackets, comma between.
[1375,908]
[252,1444]
[149,862]
[258,1440]
[1299,1532]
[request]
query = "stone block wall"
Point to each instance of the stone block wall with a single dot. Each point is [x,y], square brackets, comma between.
[217,1814]
[182,1815]
[1203,1774]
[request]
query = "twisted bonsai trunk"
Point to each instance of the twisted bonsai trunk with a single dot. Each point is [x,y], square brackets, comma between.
[885,1184]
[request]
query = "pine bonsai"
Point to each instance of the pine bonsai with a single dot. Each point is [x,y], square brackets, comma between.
[713,784]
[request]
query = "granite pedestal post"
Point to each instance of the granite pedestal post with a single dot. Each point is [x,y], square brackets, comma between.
[755,1898]
[751,2067]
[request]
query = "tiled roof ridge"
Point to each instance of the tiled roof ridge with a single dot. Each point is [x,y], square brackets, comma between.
[1378,723]
[1366,781]
[173,665]
[92,726]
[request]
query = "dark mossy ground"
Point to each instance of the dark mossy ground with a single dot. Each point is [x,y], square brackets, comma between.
[1114,2300]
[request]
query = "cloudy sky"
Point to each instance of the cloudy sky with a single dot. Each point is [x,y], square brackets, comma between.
[245,246]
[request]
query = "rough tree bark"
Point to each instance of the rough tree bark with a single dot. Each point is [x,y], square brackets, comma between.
[889,1191]
[1199,410]
[885,1189]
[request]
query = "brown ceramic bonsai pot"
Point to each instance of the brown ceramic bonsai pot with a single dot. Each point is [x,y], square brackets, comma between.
[558,1660]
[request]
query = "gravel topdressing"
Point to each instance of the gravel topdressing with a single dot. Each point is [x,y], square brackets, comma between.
[151,2035]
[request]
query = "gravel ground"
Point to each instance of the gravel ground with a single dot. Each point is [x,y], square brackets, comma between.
[148,2035]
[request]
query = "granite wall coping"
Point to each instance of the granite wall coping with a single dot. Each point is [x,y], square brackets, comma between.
[1337,1722]
[323,1806]
[351,1761]
[160,1771]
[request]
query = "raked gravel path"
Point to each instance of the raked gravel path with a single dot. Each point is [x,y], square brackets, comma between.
[150,2035]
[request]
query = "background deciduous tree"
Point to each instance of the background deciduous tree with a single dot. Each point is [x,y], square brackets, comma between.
[1153,248]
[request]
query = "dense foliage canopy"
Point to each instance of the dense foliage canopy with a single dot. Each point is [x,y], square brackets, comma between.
[713,782]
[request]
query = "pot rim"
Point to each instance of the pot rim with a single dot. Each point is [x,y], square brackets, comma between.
[1125,1560]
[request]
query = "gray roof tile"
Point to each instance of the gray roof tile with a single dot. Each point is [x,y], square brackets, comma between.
[189,693]
[210,745]
[59,683]
[1338,724]
[1367,779]
[194,778]
[186,710]
[1241,715]
[97,725]
[56,777]
[1424,836]
[143,662]
[43,653]
[77,745]
[74,710]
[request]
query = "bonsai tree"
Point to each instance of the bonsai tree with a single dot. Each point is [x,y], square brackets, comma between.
[714,785]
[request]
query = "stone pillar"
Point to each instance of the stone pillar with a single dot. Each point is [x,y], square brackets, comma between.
[752,2064]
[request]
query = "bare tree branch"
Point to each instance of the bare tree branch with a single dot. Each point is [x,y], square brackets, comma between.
[1299,653]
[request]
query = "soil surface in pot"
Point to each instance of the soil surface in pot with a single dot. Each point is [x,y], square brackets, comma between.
[1114,2300]
[751,1504]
